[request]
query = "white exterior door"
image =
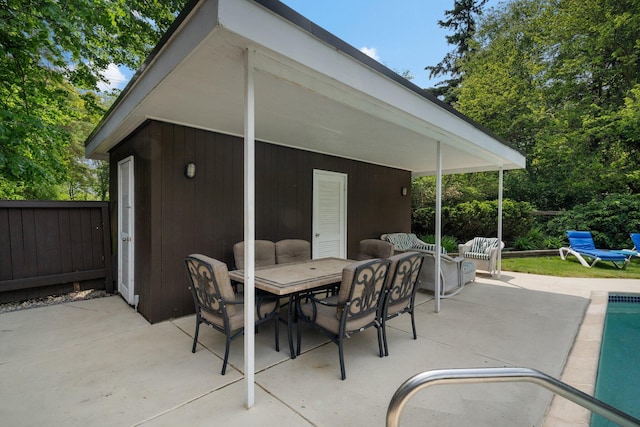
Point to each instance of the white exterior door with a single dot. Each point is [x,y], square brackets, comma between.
[329,214]
[125,229]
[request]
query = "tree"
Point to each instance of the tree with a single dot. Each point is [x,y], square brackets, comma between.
[52,54]
[462,21]
[559,80]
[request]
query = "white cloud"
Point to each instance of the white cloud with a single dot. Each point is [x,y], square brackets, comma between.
[115,79]
[370,51]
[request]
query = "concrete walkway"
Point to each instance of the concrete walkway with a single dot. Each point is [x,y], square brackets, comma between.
[97,362]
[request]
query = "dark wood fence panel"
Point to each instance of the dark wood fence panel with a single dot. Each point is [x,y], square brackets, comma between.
[52,247]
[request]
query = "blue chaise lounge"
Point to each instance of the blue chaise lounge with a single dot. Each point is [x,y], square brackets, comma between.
[581,246]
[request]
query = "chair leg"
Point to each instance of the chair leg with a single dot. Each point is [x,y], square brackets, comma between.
[413,324]
[384,337]
[343,374]
[379,331]
[226,356]
[195,336]
[276,320]
[298,335]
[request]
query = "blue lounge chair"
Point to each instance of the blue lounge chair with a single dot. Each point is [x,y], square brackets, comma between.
[581,246]
[635,238]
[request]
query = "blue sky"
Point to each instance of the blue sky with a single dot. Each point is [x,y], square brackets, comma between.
[404,34]
[401,34]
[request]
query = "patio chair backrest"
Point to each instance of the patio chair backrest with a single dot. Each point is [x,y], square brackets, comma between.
[635,238]
[292,250]
[404,272]
[362,288]
[265,253]
[374,248]
[210,284]
[581,240]
[483,245]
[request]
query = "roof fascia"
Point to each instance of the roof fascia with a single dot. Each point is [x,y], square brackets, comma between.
[310,27]
[179,44]
[381,90]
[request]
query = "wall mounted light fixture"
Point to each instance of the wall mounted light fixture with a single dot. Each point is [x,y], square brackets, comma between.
[403,191]
[190,170]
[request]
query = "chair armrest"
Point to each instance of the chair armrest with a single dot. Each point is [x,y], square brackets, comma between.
[314,302]
[425,246]
[311,296]
[450,260]
[418,250]
[463,248]
[493,254]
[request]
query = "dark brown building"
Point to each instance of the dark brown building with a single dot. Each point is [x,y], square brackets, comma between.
[323,115]
[176,216]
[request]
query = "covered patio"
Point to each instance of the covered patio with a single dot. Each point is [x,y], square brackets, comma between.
[256,71]
[98,362]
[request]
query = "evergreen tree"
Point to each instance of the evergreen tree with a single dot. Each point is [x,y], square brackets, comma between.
[462,21]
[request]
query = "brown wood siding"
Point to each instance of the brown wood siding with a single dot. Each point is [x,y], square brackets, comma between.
[176,216]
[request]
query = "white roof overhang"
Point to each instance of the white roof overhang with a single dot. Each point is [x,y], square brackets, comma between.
[312,91]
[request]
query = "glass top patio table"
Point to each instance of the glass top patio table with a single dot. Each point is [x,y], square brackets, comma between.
[292,278]
[295,277]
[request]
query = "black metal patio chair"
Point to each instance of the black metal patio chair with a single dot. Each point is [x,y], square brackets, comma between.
[356,307]
[404,272]
[218,306]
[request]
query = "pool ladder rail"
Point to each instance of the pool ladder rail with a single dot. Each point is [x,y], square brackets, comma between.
[487,375]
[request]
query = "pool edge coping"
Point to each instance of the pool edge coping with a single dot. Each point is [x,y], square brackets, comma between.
[581,368]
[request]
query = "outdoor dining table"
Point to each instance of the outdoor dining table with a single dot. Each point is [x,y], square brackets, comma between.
[291,279]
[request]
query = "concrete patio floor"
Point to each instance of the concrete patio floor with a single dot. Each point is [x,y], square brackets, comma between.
[98,362]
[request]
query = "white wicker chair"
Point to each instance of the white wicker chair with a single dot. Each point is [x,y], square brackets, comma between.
[409,242]
[483,251]
[454,272]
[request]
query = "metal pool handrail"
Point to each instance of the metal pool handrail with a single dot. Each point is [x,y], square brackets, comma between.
[485,375]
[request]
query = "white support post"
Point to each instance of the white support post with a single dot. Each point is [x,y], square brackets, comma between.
[438,230]
[500,185]
[249,230]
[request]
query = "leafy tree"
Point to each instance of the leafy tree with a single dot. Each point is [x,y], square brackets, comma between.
[456,189]
[476,218]
[79,179]
[52,55]
[462,21]
[559,79]
[102,188]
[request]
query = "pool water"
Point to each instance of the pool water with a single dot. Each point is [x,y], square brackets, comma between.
[618,379]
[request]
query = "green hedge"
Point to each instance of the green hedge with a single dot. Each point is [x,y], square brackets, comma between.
[610,221]
[477,218]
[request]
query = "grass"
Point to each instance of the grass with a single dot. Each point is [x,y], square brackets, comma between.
[554,266]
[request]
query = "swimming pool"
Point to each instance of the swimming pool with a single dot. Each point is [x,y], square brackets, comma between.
[618,379]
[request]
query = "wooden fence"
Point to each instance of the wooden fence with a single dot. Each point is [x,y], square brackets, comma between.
[47,248]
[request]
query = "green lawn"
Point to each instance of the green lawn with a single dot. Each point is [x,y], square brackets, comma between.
[554,266]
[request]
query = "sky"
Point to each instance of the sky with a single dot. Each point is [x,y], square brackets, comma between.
[401,34]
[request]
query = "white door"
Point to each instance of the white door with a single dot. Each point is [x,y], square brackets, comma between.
[125,229]
[329,214]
